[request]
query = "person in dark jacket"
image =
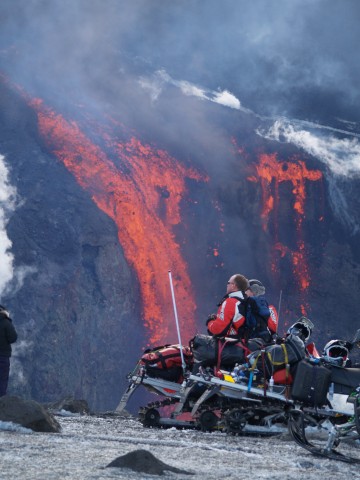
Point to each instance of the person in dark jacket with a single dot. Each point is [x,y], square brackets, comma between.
[8,335]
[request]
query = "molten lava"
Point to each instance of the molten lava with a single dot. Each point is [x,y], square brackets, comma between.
[271,172]
[142,195]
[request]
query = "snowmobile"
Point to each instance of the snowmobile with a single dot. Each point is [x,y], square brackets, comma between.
[318,398]
[193,391]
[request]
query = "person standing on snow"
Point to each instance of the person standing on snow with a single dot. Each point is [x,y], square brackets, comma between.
[228,319]
[8,335]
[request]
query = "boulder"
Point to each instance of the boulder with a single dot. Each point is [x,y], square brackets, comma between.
[70,404]
[28,413]
[144,461]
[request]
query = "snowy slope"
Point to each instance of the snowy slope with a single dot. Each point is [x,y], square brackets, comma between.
[88,444]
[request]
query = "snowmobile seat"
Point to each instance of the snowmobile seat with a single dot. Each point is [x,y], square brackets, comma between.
[345,380]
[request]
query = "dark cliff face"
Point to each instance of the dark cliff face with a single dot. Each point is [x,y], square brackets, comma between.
[78,311]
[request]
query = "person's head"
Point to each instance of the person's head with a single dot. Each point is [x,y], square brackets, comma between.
[237,283]
[255,288]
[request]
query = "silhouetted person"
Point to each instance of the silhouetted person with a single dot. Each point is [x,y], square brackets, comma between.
[8,336]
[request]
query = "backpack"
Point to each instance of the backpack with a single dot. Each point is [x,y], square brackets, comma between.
[260,317]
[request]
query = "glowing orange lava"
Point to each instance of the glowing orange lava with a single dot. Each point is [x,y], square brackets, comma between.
[144,202]
[271,173]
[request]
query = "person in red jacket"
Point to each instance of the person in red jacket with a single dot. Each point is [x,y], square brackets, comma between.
[228,319]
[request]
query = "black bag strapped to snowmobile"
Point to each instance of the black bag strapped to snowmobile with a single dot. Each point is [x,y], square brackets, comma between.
[279,356]
[311,384]
[222,352]
[165,361]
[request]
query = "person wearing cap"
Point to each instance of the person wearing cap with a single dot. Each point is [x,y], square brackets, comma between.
[8,335]
[228,319]
[262,318]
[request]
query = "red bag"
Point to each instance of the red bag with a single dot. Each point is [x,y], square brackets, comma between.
[282,377]
[166,357]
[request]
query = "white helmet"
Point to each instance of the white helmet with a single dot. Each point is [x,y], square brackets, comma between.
[336,352]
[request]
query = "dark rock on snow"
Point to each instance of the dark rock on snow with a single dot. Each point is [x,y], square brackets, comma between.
[144,461]
[27,413]
[70,404]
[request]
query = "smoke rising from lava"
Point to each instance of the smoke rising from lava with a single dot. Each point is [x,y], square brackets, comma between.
[340,155]
[7,206]
[11,277]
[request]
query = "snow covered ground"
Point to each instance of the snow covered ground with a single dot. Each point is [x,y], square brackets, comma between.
[88,443]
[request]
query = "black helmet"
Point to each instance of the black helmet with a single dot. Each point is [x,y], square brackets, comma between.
[302,328]
[336,352]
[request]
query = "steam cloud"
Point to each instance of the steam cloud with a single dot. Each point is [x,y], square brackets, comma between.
[20,350]
[340,155]
[9,275]
[222,97]
[7,206]
[279,57]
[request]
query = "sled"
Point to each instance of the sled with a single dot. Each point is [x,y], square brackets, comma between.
[322,402]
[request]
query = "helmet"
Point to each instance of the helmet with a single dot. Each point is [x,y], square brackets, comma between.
[336,352]
[302,328]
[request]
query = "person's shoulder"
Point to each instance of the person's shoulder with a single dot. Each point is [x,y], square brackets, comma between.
[235,298]
[259,298]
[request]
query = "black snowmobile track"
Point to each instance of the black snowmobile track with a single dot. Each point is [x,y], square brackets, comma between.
[150,417]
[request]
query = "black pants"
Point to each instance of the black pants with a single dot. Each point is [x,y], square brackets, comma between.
[4,374]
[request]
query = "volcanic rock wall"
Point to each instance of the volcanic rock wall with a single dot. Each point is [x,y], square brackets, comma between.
[84,302]
[79,307]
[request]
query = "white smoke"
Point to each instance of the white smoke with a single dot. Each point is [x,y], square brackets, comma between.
[9,201]
[340,155]
[223,97]
[7,206]
[20,352]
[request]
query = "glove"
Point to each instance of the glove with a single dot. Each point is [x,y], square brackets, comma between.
[279,340]
[210,317]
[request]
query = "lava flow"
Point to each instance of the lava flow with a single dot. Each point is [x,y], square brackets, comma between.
[271,172]
[143,198]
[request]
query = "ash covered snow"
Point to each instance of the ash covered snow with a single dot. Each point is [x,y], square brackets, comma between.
[87,444]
